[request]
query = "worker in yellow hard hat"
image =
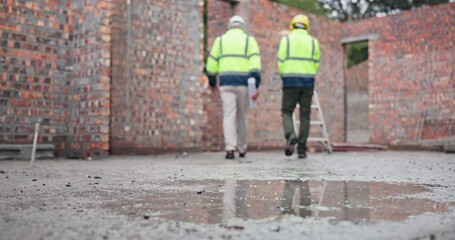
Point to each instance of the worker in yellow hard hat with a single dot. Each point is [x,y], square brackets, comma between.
[298,63]
[234,58]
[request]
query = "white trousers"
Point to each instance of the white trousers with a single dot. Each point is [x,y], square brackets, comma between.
[235,118]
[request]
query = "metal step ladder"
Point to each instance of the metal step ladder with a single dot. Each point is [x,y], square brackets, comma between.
[324,139]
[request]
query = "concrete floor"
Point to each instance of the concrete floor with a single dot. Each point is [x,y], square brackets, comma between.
[368,195]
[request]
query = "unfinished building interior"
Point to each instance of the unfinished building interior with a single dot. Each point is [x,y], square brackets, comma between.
[126,76]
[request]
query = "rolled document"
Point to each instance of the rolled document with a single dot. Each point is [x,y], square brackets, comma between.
[251,91]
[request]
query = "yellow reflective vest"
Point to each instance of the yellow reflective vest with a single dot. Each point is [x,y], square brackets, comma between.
[298,59]
[234,57]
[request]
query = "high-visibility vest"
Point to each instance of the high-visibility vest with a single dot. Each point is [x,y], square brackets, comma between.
[298,59]
[235,57]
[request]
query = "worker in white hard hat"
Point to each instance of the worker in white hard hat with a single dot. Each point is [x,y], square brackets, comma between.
[234,58]
[298,63]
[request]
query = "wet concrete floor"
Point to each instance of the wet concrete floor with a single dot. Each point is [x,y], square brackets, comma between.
[380,195]
[218,201]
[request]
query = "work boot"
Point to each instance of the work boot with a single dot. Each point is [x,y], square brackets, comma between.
[242,155]
[301,151]
[290,146]
[230,155]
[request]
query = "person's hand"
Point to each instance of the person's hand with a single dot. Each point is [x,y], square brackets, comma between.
[205,81]
[256,95]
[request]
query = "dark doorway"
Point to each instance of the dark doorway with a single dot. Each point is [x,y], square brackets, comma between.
[356,80]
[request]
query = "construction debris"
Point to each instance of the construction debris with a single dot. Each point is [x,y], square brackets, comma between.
[343,147]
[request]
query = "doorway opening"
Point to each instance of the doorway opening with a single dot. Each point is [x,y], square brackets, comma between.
[356,92]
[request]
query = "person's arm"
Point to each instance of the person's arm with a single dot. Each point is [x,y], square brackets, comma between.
[213,62]
[254,57]
[317,55]
[281,55]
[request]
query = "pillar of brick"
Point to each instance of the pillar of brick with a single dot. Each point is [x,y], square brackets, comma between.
[157,93]
[89,86]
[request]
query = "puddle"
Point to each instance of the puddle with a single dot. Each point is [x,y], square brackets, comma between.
[216,201]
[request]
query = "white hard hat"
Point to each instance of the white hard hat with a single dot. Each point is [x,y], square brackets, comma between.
[236,21]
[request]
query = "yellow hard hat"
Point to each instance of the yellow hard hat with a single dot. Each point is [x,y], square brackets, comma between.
[300,18]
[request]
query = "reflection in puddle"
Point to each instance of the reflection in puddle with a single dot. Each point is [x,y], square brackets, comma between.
[256,199]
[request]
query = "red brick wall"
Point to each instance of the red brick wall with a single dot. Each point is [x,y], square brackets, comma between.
[55,70]
[265,21]
[411,83]
[63,64]
[88,124]
[119,72]
[34,36]
[411,69]
[357,77]
[165,77]
[218,15]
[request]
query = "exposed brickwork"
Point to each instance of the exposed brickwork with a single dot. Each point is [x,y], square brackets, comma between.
[410,54]
[411,72]
[56,72]
[89,97]
[165,105]
[119,70]
[33,80]
[357,77]
[219,13]
[266,21]
[65,64]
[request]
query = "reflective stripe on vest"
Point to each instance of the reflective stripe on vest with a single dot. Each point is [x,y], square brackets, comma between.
[288,54]
[234,74]
[299,75]
[236,55]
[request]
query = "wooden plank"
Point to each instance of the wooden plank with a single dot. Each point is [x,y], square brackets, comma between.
[341,149]
[24,151]
[22,146]
[357,147]
[360,145]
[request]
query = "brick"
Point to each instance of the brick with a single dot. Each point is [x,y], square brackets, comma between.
[70,69]
[405,81]
[164,68]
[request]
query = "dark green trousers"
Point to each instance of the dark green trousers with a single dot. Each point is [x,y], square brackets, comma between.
[291,188]
[292,96]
